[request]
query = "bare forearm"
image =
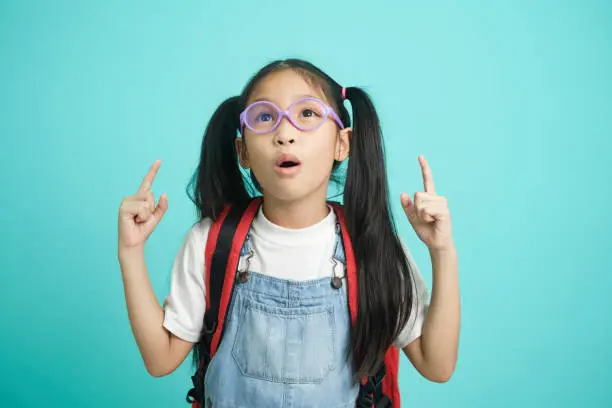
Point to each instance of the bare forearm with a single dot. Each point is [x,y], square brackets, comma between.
[440,335]
[145,313]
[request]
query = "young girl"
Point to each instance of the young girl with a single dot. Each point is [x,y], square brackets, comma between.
[288,331]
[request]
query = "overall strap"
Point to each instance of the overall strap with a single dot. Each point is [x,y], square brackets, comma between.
[351,266]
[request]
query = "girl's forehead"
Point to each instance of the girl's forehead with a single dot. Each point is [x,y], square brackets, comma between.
[284,87]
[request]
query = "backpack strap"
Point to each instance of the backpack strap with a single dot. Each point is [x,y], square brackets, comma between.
[222,253]
[221,273]
[390,384]
[382,389]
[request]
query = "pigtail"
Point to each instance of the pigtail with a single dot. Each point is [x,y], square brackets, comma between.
[218,180]
[384,297]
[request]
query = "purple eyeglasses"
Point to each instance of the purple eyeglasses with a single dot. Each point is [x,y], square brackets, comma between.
[305,114]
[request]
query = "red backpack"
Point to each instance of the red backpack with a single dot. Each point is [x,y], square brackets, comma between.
[222,253]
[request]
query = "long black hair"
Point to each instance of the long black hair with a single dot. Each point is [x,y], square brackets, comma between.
[385,292]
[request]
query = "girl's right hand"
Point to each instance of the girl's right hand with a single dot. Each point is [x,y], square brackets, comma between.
[138,214]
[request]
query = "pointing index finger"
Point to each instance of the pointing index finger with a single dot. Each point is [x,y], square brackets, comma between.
[428,181]
[147,181]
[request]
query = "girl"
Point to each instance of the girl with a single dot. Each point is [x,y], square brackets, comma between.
[288,332]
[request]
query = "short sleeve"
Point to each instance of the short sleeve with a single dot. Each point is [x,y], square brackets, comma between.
[420,304]
[186,302]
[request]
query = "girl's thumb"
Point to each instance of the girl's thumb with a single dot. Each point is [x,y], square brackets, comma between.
[406,201]
[162,207]
[408,206]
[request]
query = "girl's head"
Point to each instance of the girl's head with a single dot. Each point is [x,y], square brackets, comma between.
[292,136]
[239,161]
[250,146]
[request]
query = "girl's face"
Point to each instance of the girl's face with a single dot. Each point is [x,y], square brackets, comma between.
[291,164]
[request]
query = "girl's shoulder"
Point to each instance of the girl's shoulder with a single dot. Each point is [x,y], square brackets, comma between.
[196,236]
[201,227]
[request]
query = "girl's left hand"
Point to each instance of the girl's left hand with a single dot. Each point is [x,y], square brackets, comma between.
[429,214]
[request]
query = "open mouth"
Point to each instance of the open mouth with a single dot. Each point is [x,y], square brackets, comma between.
[288,164]
[287,161]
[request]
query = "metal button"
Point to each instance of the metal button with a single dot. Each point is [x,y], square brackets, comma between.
[242,277]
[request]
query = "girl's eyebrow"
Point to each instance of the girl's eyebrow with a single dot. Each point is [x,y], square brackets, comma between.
[295,97]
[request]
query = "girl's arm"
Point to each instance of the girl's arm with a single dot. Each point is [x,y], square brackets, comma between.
[434,354]
[161,350]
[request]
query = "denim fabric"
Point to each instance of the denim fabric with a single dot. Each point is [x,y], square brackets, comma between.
[285,344]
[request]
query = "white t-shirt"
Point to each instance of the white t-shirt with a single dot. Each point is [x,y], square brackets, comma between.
[292,254]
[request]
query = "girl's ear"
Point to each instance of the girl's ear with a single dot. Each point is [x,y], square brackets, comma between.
[343,144]
[242,153]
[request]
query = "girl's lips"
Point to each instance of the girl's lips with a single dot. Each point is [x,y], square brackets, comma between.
[288,171]
[287,165]
[287,160]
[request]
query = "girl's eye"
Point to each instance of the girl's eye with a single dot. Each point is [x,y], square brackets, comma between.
[264,117]
[309,113]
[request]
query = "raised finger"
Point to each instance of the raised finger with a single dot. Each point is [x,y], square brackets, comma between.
[428,181]
[147,181]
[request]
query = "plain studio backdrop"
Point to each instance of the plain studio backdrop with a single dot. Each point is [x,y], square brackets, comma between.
[510,101]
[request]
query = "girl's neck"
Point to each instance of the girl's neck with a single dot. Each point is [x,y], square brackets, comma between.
[295,214]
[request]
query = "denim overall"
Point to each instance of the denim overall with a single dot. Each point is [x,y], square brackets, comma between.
[284,344]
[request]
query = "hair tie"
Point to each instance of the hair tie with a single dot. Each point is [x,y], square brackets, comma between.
[343,93]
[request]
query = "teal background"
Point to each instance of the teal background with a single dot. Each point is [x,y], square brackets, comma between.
[511,102]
